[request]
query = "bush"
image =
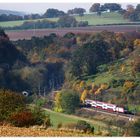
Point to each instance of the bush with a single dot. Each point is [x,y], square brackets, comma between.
[102,68]
[134,128]
[83,125]
[59,125]
[115,83]
[21,119]
[82,23]
[80,125]
[47,122]
[10,102]
[39,115]
[28,118]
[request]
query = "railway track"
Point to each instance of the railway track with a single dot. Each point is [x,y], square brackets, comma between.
[124,116]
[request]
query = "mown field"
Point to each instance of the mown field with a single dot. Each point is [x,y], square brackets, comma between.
[93,19]
[57,118]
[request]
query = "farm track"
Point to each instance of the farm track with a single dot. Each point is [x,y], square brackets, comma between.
[27,34]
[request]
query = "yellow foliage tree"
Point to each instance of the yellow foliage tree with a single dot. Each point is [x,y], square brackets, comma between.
[137,43]
[82,84]
[84,95]
[93,86]
[128,85]
[104,86]
[98,91]
[58,107]
[35,58]
[122,68]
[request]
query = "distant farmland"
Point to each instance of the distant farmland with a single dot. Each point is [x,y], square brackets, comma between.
[27,34]
[93,19]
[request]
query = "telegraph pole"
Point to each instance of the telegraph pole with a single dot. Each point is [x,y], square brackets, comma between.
[39,90]
[44,91]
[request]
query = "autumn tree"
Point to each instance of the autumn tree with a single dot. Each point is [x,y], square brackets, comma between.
[10,102]
[84,95]
[131,13]
[58,107]
[137,43]
[128,85]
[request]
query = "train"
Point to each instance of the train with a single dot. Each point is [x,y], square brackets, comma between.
[104,106]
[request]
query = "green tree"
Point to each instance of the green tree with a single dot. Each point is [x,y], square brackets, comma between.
[95,7]
[67,21]
[50,13]
[138,7]
[87,57]
[70,100]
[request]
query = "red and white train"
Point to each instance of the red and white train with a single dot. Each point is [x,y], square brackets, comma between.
[104,106]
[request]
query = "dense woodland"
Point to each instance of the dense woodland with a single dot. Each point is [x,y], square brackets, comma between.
[54,60]
[73,63]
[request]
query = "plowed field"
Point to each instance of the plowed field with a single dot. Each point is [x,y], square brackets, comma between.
[27,34]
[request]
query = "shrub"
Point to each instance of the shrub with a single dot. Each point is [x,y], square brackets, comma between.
[59,125]
[21,119]
[83,125]
[134,128]
[39,115]
[102,68]
[10,102]
[115,83]
[80,125]
[47,122]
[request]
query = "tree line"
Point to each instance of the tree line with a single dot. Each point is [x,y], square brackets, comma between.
[130,13]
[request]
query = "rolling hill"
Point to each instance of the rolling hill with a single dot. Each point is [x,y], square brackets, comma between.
[8,12]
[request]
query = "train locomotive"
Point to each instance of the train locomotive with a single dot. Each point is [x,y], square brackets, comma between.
[104,106]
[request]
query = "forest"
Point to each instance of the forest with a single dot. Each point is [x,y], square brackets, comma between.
[104,64]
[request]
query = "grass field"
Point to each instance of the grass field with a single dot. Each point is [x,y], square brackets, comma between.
[93,19]
[105,18]
[57,118]
[19,22]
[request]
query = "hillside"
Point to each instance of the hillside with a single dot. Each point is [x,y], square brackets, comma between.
[115,75]
[8,12]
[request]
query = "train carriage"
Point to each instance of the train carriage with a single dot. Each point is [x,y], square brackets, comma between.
[104,106]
